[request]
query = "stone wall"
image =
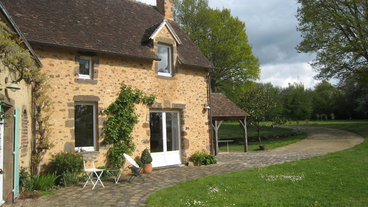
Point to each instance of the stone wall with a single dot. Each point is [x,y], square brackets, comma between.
[186,92]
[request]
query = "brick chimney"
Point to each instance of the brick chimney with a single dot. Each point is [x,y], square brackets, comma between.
[165,7]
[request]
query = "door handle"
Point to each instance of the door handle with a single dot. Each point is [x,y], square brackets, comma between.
[1,171]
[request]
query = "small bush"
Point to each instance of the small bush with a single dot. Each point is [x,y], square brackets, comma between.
[203,158]
[40,182]
[146,157]
[23,176]
[69,178]
[64,163]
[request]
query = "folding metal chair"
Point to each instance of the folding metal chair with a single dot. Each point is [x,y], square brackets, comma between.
[136,170]
[92,171]
[115,173]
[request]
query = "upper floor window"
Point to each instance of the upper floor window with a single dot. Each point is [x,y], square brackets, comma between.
[85,67]
[165,64]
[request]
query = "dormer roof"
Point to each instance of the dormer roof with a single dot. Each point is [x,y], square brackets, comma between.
[165,23]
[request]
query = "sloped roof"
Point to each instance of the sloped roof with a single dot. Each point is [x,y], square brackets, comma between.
[109,26]
[223,108]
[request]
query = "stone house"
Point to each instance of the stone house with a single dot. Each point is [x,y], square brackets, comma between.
[89,47]
[15,121]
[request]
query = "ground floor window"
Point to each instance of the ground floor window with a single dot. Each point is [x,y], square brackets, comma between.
[85,132]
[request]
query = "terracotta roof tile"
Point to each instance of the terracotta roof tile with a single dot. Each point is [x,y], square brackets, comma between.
[112,26]
[222,107]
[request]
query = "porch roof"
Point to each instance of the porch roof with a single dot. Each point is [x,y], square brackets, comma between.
[224,109]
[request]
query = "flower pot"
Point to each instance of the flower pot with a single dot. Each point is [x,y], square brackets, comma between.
[147,168]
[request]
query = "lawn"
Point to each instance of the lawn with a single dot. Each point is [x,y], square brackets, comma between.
[337,179]
[272,137]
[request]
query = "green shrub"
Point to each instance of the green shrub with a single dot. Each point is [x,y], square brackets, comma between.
[203,158]
[146,157]
[23,176]
[64,163]
[40,182]
[69,178]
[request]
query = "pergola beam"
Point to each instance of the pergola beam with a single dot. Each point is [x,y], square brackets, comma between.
[244,124]
[216,128]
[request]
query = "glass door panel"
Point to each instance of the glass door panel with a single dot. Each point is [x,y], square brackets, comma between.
[172,132]
[156,143]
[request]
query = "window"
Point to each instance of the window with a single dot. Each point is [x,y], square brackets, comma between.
[85,69]
[84,127]
[165,64]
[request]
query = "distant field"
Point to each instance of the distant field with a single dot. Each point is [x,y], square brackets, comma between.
[272,137]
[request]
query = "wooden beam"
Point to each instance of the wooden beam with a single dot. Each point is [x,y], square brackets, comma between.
[216,127]
[244,124]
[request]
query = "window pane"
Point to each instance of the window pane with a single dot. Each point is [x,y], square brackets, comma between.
[84,125]
[164,65]
[172,131]
[84,66]
[156,144]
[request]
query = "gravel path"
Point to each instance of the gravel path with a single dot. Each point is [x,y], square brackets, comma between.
[320,141]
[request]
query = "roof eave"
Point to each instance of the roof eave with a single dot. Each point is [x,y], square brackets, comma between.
[92,50]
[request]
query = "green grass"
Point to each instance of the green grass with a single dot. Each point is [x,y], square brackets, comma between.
[337,179]
[272,137]
[270,144]
[231,130]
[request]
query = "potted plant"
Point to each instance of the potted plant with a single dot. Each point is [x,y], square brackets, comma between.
[147,161]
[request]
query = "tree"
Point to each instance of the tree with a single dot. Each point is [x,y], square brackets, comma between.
[337,31]
[258,101]
[297,102]
[325,97]
[222,39]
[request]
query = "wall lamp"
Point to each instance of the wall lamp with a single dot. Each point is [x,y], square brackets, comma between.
[207,107]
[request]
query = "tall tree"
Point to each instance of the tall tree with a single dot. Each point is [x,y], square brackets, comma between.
[222,39]
[324,101]
[297,102]
[258,100]
[337,31]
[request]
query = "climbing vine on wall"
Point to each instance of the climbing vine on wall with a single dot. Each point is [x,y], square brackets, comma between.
[121,118]
[22,66]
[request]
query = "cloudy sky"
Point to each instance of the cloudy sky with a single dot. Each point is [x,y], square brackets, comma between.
[271,28]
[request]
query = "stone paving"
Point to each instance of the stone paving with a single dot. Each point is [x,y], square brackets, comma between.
[136,193]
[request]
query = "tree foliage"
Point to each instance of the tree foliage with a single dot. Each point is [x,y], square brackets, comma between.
[297,102]
[121,119]
[258,101]
[337,31]
[221,38]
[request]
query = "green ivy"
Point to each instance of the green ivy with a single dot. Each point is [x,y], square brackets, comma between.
[121,119]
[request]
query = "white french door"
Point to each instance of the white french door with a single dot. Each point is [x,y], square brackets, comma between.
[165,138]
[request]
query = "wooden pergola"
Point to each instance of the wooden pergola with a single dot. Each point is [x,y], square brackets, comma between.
[224,109]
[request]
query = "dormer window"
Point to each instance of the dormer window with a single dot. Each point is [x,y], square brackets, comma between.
[85,69]
[165,64]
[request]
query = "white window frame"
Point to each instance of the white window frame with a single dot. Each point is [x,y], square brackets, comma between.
[84,76]
[89,148]
[169,74]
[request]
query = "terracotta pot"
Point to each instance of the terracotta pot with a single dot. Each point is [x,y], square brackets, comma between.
[147,168]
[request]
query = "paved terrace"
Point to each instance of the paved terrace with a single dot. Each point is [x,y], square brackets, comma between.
[136,193]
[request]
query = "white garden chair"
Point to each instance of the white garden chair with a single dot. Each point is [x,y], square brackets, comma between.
[136,170]
[92,171]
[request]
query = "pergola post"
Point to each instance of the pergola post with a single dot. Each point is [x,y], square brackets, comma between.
[216,127]
[244,124]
